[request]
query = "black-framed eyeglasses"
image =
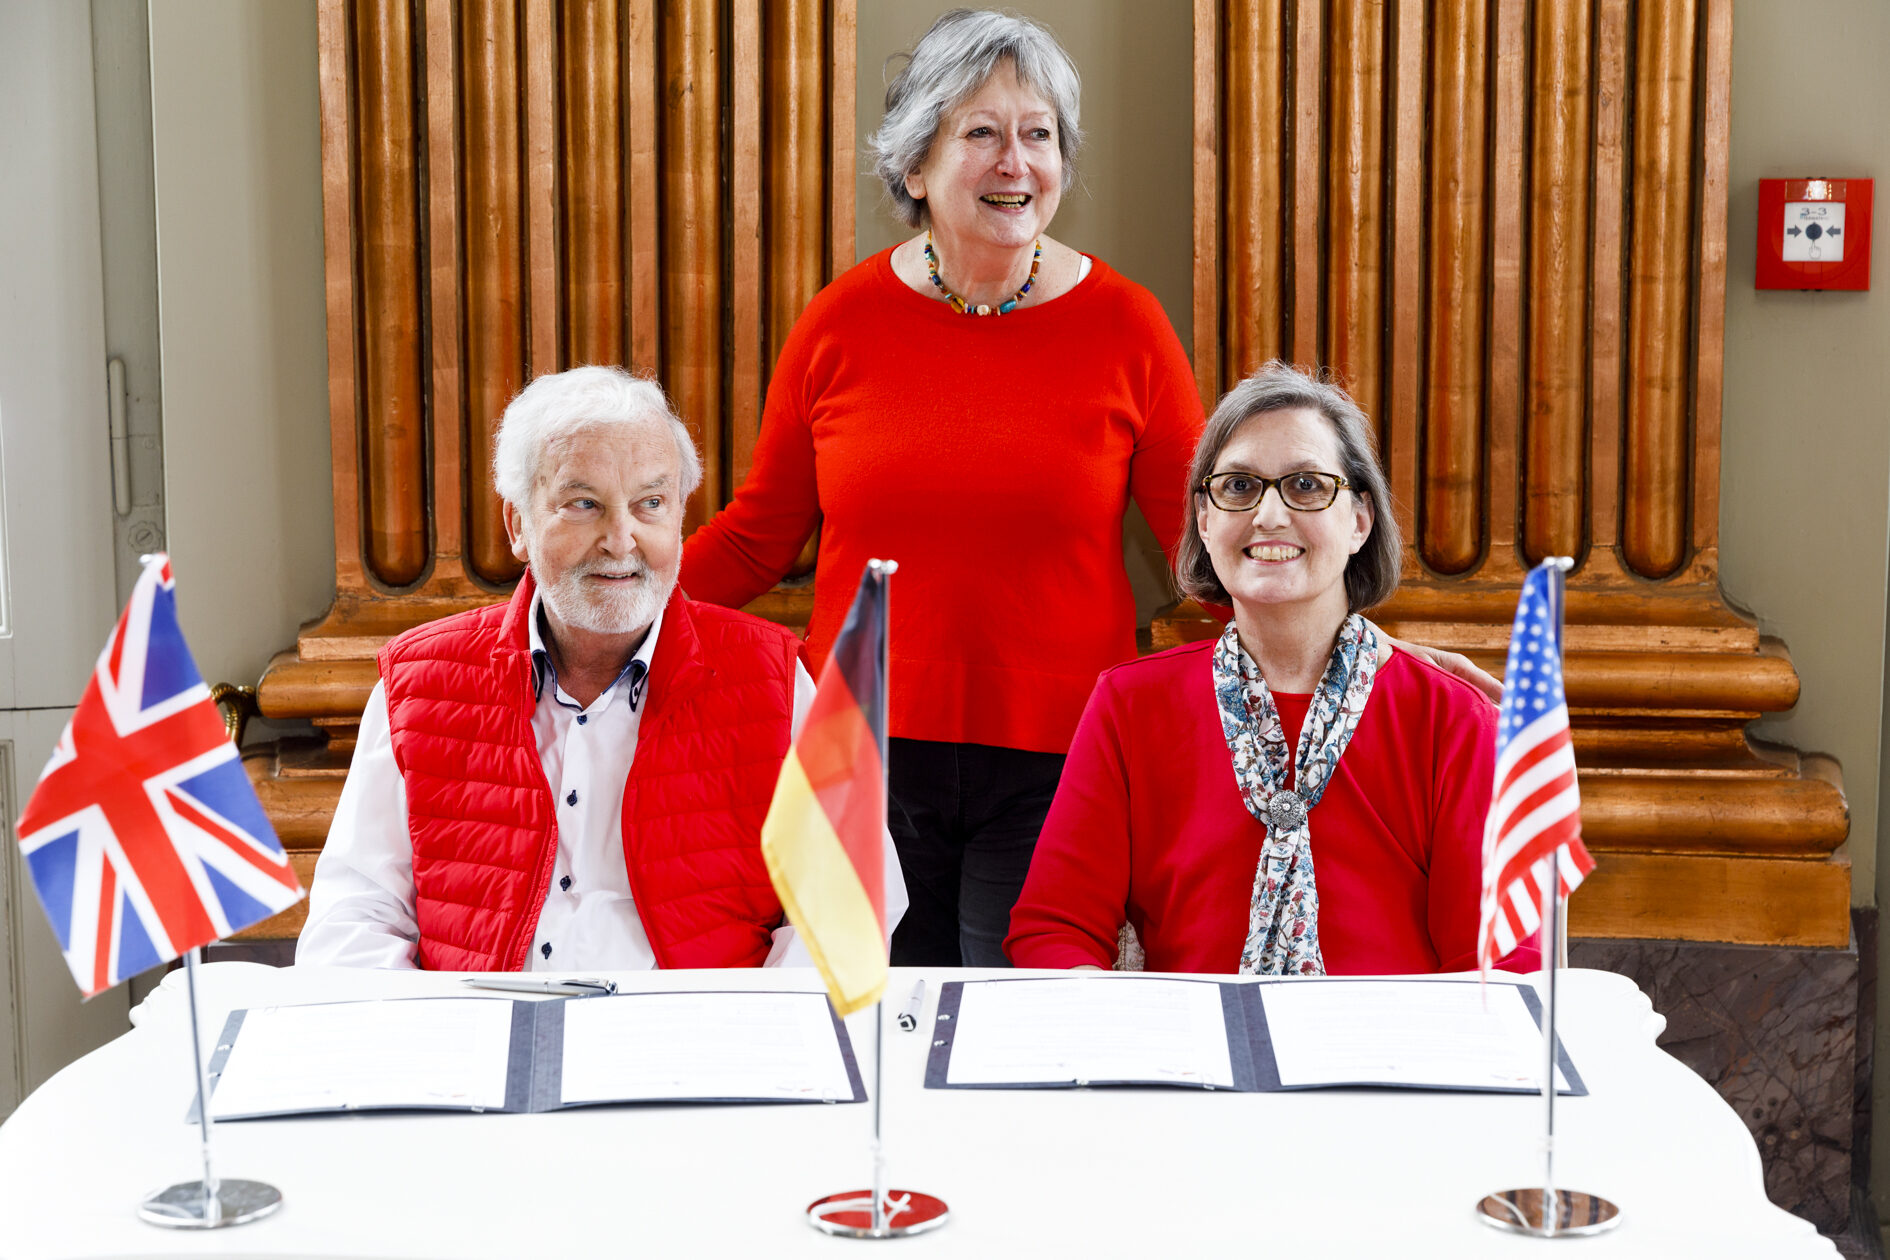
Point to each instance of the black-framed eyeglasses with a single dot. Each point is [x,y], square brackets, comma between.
[1300,491]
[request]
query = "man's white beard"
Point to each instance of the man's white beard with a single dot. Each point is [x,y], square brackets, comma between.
[612,608]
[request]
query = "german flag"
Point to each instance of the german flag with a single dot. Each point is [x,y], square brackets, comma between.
[823,839]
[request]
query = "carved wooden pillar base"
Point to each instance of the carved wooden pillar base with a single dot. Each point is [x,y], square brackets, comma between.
[1776,1031]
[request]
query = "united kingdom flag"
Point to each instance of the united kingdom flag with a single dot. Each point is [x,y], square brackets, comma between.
[144,838]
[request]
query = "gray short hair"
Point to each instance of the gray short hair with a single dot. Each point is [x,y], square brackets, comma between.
[1372,574]
[949,64]
[561,404]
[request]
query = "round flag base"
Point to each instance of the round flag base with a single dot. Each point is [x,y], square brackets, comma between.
[1577,1214]
[184,1205]
[849,1214]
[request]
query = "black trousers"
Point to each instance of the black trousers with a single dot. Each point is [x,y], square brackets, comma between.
[965,819]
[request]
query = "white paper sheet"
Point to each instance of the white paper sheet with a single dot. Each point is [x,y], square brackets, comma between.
[702,1045]
[1015,1032]
[1419,1033]
[449,1052]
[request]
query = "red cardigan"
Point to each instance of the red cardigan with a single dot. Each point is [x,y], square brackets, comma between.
[1148,819]
[993,459]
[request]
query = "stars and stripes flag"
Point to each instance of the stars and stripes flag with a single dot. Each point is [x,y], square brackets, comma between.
[144,838]
[1535,808]
[824,835]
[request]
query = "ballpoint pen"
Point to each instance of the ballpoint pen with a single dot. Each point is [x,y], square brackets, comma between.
[575,986]
[909,1018]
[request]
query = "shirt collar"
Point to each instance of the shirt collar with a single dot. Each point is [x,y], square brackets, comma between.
[635,674]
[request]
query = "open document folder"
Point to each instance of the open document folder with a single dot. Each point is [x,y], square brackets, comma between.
[1240,1035]
[493,1054]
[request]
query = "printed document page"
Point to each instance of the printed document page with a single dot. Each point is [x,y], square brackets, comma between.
[1027,1032]
[702,1045]
[444,1052]
[1428,1034]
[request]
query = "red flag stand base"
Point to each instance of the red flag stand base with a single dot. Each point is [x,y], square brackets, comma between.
[1574,1215]
[850,1214]
[185,1206]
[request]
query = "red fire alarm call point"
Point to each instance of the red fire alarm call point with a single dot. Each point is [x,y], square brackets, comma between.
[1814,234]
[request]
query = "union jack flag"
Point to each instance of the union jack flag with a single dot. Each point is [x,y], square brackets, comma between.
[144,838]
[1536,809]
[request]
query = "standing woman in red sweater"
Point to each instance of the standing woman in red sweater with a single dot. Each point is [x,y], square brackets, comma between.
[978,403]
[1296,797]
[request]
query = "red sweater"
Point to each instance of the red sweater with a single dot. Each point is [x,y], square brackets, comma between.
[1148,819]
[993,459]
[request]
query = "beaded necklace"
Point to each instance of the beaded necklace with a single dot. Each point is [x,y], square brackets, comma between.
[965,308]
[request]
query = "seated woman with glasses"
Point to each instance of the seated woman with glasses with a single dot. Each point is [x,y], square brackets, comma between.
[1295,797]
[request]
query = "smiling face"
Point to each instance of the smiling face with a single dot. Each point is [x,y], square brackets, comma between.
[603,533]
[994,175]
[1272,559]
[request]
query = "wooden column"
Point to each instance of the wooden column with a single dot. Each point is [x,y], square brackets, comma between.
[387,190]
[1451,515]
[511,187]
[1503,222]
[590,172]
[1355,199]
[1252,213]
[492,297]
[1660,290]
[1555,453]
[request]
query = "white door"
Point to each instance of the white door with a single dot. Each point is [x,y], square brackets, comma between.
[56,584]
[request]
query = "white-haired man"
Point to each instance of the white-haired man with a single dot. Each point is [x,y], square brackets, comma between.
[575,779]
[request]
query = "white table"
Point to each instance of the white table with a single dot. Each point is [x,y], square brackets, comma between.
[1027,1173]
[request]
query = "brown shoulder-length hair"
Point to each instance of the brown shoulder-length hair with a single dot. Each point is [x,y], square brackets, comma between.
[1372,574]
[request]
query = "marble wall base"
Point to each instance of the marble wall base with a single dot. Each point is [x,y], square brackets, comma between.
[1777,1031]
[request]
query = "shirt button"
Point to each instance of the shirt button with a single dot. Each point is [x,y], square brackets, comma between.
[565,883]
[571,799]
[545,949]
[582,718]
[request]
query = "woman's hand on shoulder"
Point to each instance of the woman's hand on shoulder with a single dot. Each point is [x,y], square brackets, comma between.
[1457,665]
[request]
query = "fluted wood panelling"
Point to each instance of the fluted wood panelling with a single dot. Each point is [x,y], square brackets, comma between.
[393,428]
[1660,299]
[691,217]
[1253,216]
[591,166]
[1487,216]
[1452,484]
[1556,455]
[1355,200]
[516,186]
[493,295]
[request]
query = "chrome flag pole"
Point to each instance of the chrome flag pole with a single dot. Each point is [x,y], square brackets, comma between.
[147,728]
[876,1212]
[210,1203]
[1545,1211]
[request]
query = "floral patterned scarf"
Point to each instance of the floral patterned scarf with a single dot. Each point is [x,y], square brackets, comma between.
[1283,922]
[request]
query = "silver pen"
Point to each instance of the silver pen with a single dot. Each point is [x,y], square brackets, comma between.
[909,1018]
[574,987]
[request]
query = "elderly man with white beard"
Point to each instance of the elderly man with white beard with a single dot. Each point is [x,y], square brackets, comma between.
[574,779]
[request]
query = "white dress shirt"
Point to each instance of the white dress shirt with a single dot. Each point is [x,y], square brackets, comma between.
[360,904]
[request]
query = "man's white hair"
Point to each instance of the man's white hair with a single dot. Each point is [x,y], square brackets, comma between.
[561,404]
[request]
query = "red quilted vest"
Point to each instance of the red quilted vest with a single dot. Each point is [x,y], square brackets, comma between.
[715,728]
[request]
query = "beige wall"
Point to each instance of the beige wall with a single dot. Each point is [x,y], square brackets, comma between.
[1805,483]
[237,144]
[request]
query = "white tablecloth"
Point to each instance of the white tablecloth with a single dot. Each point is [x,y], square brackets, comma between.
[1027,1173]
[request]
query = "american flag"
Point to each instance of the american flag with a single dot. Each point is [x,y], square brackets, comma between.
[144,838]
[1535,808]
